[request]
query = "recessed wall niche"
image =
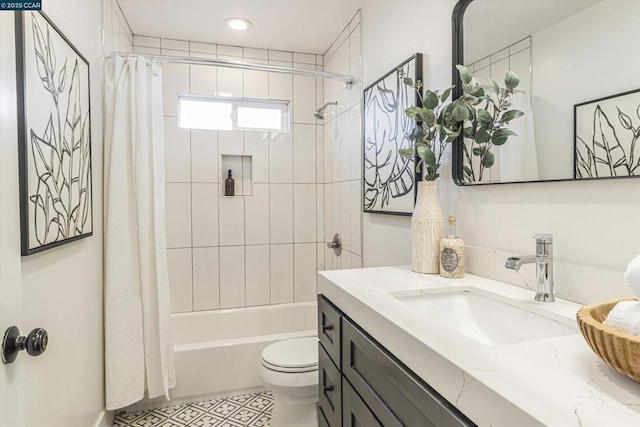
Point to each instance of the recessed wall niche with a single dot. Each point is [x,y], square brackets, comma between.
[241,168]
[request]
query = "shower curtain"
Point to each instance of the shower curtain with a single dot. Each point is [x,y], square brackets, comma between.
[138,348]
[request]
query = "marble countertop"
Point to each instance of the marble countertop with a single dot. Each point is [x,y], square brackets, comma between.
[555,381]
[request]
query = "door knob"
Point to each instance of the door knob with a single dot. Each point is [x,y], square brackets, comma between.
[12,343]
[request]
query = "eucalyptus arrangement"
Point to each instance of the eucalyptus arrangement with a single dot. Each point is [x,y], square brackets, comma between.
[479,116]
[488,120]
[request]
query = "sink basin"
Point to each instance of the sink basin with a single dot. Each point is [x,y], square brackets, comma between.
[482,316]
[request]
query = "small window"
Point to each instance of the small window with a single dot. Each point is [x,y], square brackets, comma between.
[220,113]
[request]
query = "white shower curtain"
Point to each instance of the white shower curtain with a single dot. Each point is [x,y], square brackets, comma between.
[519,157]
[138,347]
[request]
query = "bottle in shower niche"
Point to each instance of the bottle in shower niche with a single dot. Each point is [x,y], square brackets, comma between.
[452,252]
[229,185]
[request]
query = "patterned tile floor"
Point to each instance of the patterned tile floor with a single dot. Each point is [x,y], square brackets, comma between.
[246,410]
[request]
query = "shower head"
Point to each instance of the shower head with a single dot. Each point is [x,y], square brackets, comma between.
[319,114]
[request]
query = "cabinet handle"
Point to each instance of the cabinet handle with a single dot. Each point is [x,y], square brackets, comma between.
[328,388]
[328,327]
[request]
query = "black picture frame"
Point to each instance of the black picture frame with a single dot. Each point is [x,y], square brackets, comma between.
[385,131]
[54,136]
[613,121]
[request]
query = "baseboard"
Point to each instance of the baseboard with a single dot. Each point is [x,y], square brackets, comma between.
[105,419]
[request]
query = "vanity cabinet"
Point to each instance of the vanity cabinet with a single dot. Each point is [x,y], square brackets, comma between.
[362,384]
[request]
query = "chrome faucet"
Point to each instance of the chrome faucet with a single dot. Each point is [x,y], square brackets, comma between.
[544,266]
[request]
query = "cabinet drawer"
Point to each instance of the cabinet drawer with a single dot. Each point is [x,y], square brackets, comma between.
[354,411]
[329,328]
[395,394]
[330,388]
[322,421]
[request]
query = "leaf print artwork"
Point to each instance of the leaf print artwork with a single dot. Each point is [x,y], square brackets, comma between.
[55,144]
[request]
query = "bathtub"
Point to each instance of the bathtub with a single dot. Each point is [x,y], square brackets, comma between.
[218,352]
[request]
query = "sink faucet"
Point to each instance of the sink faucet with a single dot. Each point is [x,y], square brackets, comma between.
[544,266]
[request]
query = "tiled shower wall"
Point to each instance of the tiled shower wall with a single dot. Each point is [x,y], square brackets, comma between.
[242,251]
[116,34]
[343,150]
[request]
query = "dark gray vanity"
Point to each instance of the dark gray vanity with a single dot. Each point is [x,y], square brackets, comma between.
[362,384]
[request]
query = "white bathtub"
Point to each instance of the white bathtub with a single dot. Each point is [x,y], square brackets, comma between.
[218,352]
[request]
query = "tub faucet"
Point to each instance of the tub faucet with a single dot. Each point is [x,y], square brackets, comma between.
[544,266]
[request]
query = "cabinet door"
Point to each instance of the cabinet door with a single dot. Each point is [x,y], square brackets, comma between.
[395,394]
[330,388]
[354,411]
[329,328]
[322,420]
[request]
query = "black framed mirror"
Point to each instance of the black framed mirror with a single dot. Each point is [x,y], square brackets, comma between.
[578,64]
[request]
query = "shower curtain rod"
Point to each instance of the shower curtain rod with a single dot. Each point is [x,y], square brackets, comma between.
[345,78]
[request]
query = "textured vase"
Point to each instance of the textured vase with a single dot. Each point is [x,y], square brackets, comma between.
[427,228]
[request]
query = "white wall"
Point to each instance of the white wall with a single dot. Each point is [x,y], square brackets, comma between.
[577,60]
[259,249]
[62,287]
[595,224]
[117,36]
[343,150]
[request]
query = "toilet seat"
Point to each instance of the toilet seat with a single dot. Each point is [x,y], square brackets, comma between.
[295,355]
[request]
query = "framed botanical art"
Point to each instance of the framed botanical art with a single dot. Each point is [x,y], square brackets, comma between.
[54,136]
[607,136]
[389,179]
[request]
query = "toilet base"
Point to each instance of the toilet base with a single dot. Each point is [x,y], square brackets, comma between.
[286,414]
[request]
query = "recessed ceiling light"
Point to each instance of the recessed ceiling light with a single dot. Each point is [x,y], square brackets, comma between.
[238,23]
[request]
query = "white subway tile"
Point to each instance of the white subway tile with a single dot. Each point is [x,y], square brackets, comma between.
[345,215]
[281,157]
[250,53]
[320,212]
[206,279]
[257,275]
[180,279]
[328,258]
[205,214]
[208,48]
[256,83]
[175,80]
[177,152]
[336,151]
[204,156]
[344,132]
[281,273]
[319,59]
[356,261]
[328,212]
[280,85]
[234,51]
[355,217]
[327,152]
[178,215]
[257,216]
[230,142]
[146,41]
[304,213]
[304,153]
[345,260]
[278,55]
[256,144]
[204,80]
[304,98]
[355,143]
[146,50]
[231,214]
[320,266]
[230,82]
[281,213]
[232,280]
[304,58]
[173,44]
[355,21]
[319,154]
[305,271]
[355,67]
[336,210]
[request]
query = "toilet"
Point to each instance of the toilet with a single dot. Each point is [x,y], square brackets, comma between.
[289,368]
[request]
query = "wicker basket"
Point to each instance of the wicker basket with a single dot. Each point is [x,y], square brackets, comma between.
[617,349]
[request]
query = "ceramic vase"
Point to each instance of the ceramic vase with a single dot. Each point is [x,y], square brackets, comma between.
[427,229]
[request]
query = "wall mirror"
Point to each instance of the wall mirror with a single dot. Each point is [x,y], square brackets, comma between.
[578,62]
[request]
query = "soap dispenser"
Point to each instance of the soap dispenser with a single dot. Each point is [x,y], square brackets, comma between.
[452,252]
[229,185]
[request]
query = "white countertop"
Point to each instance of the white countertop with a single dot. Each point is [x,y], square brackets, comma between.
[555,381]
